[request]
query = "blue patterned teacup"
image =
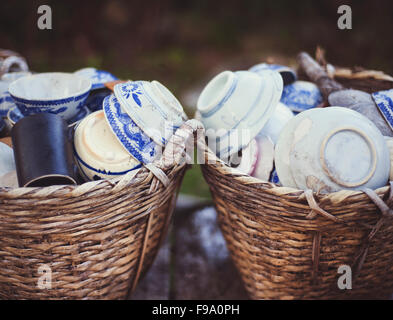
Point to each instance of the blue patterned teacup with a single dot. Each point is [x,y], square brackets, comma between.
[301,95]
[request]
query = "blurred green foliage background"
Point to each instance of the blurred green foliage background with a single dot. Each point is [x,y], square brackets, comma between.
[184,43]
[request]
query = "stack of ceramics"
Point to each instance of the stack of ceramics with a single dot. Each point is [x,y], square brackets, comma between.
[279,134]
[135,124]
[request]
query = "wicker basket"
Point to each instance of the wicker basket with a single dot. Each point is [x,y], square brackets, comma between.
[97,238]
[289,244]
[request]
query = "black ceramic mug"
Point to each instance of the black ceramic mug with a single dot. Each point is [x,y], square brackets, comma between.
[43,154]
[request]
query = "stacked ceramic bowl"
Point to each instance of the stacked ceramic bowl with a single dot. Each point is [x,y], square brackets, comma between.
[235,106]
[243,117]
[132,129]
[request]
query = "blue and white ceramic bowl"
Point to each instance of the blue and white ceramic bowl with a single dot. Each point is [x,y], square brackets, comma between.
[131,137]
[301,95]
[235,106]
[14,115]
[98,78]
[288,75]
[157,114]
[59,93]
[384,102]
[98,153]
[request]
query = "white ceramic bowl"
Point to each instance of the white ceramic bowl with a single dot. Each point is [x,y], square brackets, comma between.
[283,149]
[337,148]
[55,92]
[153,108]
[98,153]
[235,106]
[277,122]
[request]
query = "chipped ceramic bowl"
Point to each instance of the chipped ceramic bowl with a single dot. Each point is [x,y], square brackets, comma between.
[7,161]
[98,78]
[14,115]
[265,160]
[301,95]
[130,136]
[157,114]
[337,148]
[235,106]
[288,75]
[55,92]
[277,122]
[98,153]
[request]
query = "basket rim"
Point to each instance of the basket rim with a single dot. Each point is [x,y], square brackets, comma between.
[170,158]
[277,190]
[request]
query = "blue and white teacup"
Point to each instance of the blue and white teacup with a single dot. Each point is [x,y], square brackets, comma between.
[156,111]
[55,92]
[131,137]
[98,78]
[301,95]
[288,74]
[384,102]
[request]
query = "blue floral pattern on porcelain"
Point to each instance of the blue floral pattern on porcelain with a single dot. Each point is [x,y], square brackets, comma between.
[301,96]
[150,113]
[384,102]
[6,103]
[15,114]
[133,139]
[98,77]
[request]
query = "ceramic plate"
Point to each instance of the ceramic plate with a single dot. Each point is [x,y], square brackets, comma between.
[337,148]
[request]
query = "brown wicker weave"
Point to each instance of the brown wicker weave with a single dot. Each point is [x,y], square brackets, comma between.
[97,238]
[289,244]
